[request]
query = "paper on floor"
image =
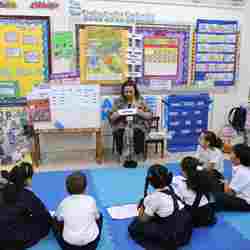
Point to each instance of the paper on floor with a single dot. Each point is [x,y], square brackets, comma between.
[52,213]
[123,212]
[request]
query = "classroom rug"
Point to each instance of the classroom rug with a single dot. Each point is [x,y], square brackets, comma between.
[119,186]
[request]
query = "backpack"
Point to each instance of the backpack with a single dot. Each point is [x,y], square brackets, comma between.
[237,118]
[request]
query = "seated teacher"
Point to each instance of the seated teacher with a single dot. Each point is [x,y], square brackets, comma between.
[130,98]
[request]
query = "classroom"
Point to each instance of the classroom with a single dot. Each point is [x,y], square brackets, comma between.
[124,125]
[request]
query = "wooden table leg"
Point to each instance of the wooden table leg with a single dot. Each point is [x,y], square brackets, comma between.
[34,153]
[99,147]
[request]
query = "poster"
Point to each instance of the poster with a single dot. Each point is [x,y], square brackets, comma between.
[8,4]
[166,56]
[103,54]
[24,54]
[14,145]
[63,44]
[75,106]
[39,110]
[161,56]
[63,54]
[216,52]
[9,89]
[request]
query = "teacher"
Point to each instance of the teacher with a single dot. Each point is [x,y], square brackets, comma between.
[130,98]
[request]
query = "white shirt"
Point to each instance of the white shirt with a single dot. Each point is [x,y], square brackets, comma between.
[159,203]
[240,182]
[79,214]
[208,156]
[188,195]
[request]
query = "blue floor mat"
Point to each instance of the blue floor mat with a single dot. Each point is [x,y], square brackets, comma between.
[119,186]
[122,186]
[222,236]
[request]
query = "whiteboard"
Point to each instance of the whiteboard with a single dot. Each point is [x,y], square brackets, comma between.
[73,106]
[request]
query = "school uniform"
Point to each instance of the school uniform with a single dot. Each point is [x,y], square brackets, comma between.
[23,223]
[240,184]
[82,223]
[197,203]
[169,226]
[214,156]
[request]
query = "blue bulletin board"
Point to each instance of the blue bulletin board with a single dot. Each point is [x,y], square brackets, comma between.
[216,52]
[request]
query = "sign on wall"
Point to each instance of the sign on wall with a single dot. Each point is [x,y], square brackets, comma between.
[24,55]
[103,54]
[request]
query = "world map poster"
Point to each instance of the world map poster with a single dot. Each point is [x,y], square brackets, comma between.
[103,54]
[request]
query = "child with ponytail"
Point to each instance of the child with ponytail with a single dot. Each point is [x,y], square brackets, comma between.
[210,154]
[163,221]
[194,187]
[24,219]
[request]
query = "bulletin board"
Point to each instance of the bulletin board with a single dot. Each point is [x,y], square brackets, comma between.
[14,145]
[216,52]
[157,56]
[25,51]
[103,54]
[165,55]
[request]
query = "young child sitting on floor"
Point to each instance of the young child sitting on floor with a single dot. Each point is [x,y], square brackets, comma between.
[236,195]
[24,220]
[78,223]
[163,222]
[210,154]
[194,188]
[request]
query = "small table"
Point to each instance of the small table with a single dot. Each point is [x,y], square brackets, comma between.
[36,154]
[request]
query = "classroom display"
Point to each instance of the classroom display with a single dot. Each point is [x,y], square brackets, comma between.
[102,54]
[156,56]
[63,51]
[186,116]
[24,55]
[216,52]
[159,55]
[14,145]
[8,4]
[71,107]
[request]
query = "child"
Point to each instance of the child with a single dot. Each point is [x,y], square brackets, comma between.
[81,222]
[236,195]
[210,156]
[194,189]
[24,220]
[163,222]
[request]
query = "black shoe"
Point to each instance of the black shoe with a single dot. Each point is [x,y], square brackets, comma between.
[130,164]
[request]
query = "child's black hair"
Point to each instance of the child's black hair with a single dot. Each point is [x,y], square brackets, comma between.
[10,193]
[20,173]
[76,183]
[17,178]
[213,139]
[242,152]
[158,176]
[198,181]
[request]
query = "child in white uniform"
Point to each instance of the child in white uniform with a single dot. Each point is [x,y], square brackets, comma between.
[236,195]
[163,221]
[81,223]
[194,189]
[209,153]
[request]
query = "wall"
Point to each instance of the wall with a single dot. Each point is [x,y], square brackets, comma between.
[168,14]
